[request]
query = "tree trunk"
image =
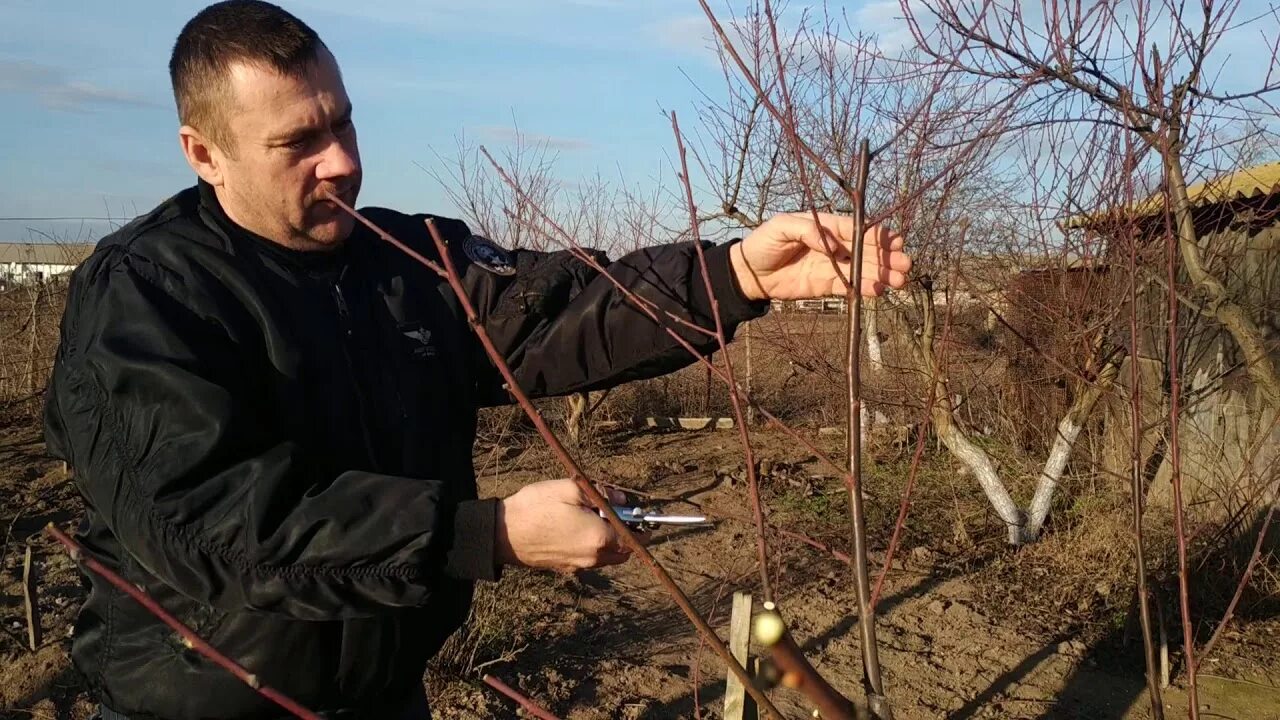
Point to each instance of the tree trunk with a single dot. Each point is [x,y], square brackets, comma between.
[1063,443]
[1247,334]
[979,462]
[955,440]
[874,351]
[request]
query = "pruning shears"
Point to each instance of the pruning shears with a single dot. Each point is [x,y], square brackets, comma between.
[641,518]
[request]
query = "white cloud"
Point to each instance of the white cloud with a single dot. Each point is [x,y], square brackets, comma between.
[56,90]
[885,20]
[688,34]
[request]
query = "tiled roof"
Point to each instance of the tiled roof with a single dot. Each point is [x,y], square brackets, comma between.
[1249,183]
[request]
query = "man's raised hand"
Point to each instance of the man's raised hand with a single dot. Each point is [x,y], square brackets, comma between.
[789,258]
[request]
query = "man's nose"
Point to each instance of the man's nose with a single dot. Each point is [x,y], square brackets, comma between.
[338,160]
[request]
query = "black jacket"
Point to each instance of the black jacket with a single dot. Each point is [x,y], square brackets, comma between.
[277,445]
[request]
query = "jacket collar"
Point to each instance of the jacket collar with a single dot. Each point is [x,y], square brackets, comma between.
[312,262]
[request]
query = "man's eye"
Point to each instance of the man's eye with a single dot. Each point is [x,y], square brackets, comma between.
[296,144]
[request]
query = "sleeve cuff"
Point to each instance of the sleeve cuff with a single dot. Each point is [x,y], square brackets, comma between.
[735,306]
[471,555]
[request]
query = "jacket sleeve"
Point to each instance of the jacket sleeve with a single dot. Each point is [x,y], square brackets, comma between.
[148,402]
[564,328]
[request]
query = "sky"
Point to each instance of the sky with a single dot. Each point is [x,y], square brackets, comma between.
[89,128]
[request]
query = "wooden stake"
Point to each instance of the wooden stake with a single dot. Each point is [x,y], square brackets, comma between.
[737,705]
[29,599]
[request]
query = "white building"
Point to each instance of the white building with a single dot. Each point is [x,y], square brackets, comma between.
[22,263]
[826,305]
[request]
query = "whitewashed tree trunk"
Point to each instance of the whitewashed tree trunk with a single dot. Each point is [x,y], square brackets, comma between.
[955,440]
[1063,443]
[864,422]
[979,462]
[1023,527]
[1051,475]
[874,351]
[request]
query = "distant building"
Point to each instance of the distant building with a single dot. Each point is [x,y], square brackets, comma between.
[23,263]
[827,305]
[1229,438]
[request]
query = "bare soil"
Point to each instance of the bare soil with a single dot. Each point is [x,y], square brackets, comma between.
[968,628]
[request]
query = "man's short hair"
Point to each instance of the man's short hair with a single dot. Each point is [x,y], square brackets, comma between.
[235,31]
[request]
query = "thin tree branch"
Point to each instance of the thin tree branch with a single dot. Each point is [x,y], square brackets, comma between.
[753,485]
[1244,582]
[529,706]
[866,609]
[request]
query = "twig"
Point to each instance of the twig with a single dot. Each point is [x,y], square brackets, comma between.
[1244,581]
[797,146]
[905,505]
[578,252]
[650,310]
[1136,474]
[1175,464]
[797,672]
[921,440]
[753,484]
[866,610]
[1243,681]
[588,488]
[842,557]
[530,706]
[189,638]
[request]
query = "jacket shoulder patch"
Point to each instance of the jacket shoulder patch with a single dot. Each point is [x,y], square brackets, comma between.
[485,253]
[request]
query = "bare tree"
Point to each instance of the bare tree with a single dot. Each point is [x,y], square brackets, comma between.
[603,216]
[941,160]
[1150,69]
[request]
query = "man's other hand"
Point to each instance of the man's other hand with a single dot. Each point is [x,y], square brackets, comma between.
[551,524]
[788,258]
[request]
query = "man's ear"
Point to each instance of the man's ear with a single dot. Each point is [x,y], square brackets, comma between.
[202,155]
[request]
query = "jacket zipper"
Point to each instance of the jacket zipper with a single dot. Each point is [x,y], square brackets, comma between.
[344,323]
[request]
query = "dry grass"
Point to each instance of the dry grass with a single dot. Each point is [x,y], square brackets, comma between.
[497,629]
[507,619]
[29,321]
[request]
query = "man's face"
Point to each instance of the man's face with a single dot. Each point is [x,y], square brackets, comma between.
[293,141]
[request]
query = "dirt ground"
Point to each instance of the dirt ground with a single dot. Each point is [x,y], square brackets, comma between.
[967,627]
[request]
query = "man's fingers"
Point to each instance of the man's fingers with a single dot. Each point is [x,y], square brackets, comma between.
[897,260]
[875,278]
[832,233]
[571,492]
[612,558]
[872,288]
[834,236]
[614,547]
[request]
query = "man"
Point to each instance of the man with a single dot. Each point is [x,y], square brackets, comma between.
[270,412]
